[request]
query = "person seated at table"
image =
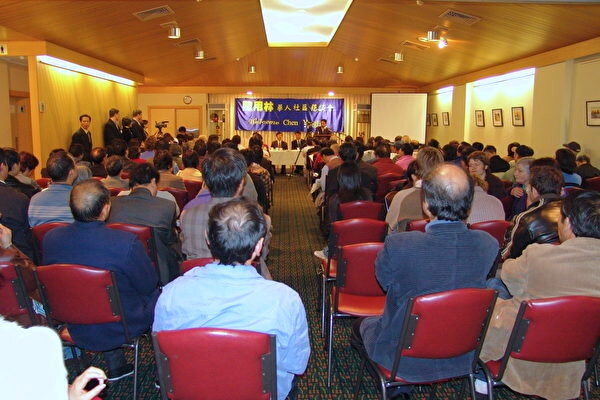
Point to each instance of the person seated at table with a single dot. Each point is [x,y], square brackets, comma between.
[279,144]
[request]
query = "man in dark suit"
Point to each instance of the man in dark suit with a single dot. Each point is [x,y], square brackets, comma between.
[83,136]
[142,207]
[323,132]
[137,129]
[298,144]
[111,128]
[13,211]
[447,256]
[278,143]
[91,243]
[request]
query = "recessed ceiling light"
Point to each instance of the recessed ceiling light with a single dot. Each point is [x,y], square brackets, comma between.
[339,69]
[356,59]
[442,43]
[302,23]
[330,93]
[433,36]
[252,69]
[174,32]
[199,55]
[249,93]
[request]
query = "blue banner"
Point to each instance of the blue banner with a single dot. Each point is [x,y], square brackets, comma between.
[288,115]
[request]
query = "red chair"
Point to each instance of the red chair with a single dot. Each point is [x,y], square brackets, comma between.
[567,190]
[43,182]
[417,225]
[507,202]
[144,234]
[124,175]
[496,228]
[115,191]
[98,178]
[216,364]
[388,199]
[192,187]
[507,184]
[343,233]
[356,292]
[194,262]
[555,330]
[592,184]
[181,196]
[77,294]
[397,185]
[15,303]
[39,232]
[362,209]
[383,184]
[438,325]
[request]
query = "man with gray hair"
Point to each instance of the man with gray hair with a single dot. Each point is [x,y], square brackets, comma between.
[447,256]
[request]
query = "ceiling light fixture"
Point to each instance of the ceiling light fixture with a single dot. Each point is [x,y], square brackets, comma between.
[252,69]
[249,92]
[340,69]
[442,43]
[174,32]
[199,55]
[433,36]
[330,93]
[398,57]
[56,62]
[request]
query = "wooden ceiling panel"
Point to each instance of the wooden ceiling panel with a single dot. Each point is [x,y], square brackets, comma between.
[233,32]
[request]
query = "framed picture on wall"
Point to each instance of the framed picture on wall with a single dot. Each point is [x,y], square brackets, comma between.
[518,117]
[592,117]
[427,120]
[434,120]
[497,117]
[479,118]
[446,118]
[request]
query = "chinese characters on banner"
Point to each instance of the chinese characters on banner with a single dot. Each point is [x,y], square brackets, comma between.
[288,115]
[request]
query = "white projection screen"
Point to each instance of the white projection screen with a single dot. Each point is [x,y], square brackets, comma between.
[398,114]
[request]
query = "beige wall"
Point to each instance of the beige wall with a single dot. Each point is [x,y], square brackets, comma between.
[66,95]
[5,114]
[19,80]
[452,102]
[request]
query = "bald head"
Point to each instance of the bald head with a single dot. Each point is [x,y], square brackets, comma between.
[448,192]
[88,199]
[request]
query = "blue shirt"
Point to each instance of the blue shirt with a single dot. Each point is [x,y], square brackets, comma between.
[51,205]
[237,297]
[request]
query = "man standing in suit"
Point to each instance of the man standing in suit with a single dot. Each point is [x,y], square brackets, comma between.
[111,128]
[83,136]
[416,263]
[298,144]
[323,132]
[137,129]
[143,207]
[279,144]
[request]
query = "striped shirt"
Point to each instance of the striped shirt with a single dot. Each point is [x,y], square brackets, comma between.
[51,205]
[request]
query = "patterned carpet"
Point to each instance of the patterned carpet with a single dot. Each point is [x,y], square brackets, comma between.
[295,237]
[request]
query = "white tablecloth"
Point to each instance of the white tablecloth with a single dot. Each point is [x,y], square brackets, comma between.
[287,157]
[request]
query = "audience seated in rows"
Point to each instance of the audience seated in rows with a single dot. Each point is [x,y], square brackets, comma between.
[584,168]
[191,163]
[13,162]
[485,207]
[404,153]
[383,163]
[163,161]
[518,192]
[479,165]
[519,152]
[114,167]
[98,156]
[544,271]
[497,164]
[567,163]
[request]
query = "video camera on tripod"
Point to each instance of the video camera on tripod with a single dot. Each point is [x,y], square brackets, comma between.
[160,125]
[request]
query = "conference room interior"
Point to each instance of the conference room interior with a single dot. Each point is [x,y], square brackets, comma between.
[493,72]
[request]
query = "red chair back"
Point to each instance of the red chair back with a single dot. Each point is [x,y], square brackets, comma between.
[115,191]
[496,228]
[79,294]
[43,182]
[397,185]
[181,196]
[592,183]
[507,184]
[417,225]
[383,184]
[361,209]
[143,233]
[14,301]
[194,262]
[39,232]
[356,271]
[192,187]
[388,199]
[358,230]
[216,364]
[556,330]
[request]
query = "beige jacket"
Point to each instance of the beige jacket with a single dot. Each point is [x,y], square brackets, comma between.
[543,271]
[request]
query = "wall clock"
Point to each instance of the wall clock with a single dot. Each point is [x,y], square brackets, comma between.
[187,99]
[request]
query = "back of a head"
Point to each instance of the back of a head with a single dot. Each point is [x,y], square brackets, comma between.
[489,149]
[126,121]
[11,157]
[582,158]
[382,151]
[524,151]
[212,146]
[163,160]
[407,149]
[117,147]
[582,207]
[98,155]
[448,191]
[544,161]
[29,162]
[190,159]
[114,165]
[478,146]
[427,159]
[134,152]
[347,151]
[112,112]
[248,156]
[83,173]
[59,166]
[433,143]
[449,152]
[223,171]
[546,180]
[143,174]
[234,228]
[76,150]
[258,153]
[348,177]
[326,152]
[566,160]
[88,198]
[509,148]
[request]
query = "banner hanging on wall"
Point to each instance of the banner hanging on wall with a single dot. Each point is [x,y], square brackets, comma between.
[288,115]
